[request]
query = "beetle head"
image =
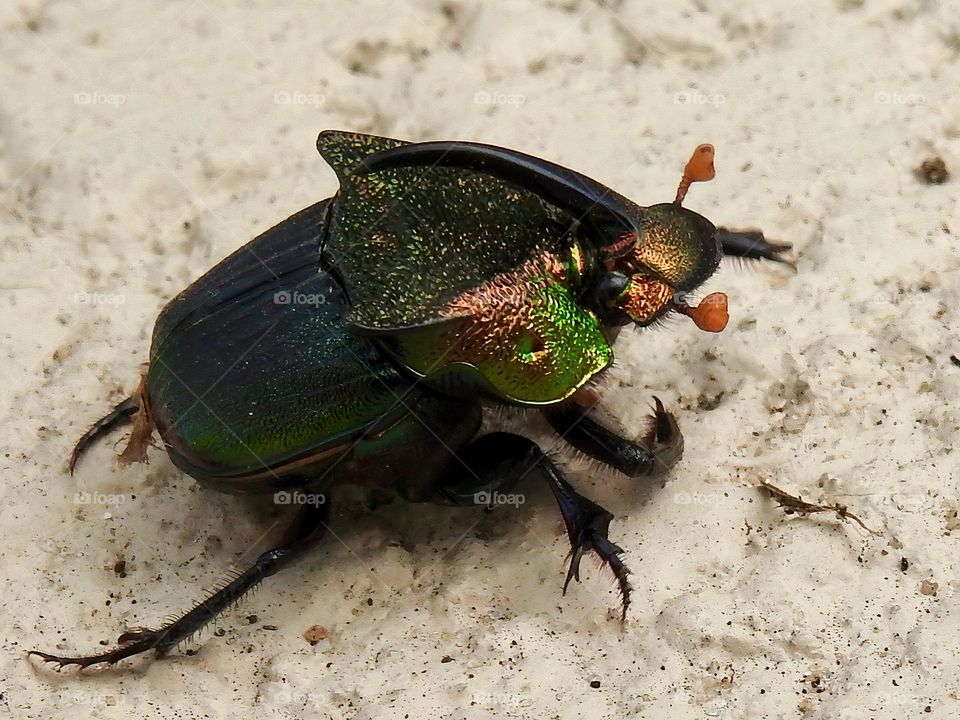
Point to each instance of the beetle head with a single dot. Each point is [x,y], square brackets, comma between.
[671,252]
[649,272]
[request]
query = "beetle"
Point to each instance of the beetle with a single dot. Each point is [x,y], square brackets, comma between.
[363,336]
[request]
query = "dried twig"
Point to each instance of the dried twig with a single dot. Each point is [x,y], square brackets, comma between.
[794,504]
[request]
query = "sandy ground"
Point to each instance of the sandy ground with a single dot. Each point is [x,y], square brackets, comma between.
[140,143]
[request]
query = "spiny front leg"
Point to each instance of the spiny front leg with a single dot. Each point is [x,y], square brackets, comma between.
[658,451]
[302,537]
[587,527]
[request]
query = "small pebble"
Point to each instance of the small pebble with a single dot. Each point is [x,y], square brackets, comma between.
[315,633]
[933,171]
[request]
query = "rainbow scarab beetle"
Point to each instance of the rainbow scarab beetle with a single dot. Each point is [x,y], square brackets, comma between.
[361,338]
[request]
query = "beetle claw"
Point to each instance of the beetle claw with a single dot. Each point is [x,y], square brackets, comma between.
[595,539]
[587,526]
[664,439]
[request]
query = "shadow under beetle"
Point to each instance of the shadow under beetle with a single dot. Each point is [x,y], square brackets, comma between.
[361,337]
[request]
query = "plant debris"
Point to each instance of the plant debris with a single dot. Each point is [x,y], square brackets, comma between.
[955,360]
[794,504]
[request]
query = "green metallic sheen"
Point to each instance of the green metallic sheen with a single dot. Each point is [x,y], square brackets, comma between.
[252,367]
[549,350]
[464,279]
[407,242]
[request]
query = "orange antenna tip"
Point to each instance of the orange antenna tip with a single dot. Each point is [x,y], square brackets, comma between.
[700,166]
[698,169]
[711,314]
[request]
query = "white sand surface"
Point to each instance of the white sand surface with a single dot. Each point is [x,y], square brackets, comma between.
[141,142]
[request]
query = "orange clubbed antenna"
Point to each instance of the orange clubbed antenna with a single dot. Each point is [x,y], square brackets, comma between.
[699,169]
[711,314]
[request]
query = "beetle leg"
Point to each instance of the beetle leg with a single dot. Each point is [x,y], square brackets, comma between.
[587,526]
[752,245]
[498,461]
[120,415]
[302,537]
[659,450]
[494,463]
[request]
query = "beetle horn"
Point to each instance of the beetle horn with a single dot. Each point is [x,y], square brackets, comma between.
[607,212]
